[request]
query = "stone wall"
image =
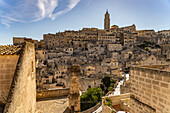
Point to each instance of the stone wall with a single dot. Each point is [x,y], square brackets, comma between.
[125,88]
[53,93]
[74,98]
[150,89]
[115,101]
[107,109]
[22,94]
[116,98]
[86,82]
[92,108]
[7,68]
[139,107]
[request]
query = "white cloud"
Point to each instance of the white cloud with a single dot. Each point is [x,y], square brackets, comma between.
[72,4]
[26,11]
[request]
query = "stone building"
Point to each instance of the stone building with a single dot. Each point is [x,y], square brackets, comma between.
[153,60]
[17,78]
[114,47]
[107,21]
[21,40]
[164,32]
[74,99]
[145,33]
[131,28]
[150,89]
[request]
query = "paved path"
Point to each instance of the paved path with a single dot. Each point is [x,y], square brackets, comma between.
[52,105]
[116,92]
[117,89]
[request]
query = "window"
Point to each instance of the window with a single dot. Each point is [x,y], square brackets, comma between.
[32,67]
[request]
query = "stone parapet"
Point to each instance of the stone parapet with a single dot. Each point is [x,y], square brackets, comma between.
[57,93]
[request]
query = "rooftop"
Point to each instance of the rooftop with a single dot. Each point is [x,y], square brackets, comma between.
[54,105]
[9,49]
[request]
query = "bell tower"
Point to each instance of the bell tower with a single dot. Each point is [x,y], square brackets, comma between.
[107,21]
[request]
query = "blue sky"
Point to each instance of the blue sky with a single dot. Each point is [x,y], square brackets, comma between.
[33,18]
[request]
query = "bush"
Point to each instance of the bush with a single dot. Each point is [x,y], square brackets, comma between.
[113,81]
[146,48]
[113,111]
[110,88]
[108,102]
[112,84]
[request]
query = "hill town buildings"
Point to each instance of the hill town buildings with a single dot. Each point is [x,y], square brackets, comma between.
[95,53]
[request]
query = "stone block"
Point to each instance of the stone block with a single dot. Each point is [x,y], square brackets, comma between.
[147,80]
[7,76]
[156,88]
[165,85]
[6,87]
[148,85]
[164,90]
[149,75]
[166,79]
[5,81]
[1,77]
[155,82]
[141,79]
[158,77]
[1,87]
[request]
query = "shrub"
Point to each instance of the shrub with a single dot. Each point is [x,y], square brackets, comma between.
[108,102]
[110,88]
[146,48]
[111,84]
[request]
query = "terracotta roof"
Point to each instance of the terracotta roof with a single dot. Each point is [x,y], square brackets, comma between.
[9,49]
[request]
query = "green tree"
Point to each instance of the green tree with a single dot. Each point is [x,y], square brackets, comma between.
[106,81]
[90,98]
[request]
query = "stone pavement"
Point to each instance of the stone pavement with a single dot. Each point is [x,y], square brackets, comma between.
[52,105]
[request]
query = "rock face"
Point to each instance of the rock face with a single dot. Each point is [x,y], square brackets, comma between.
[74,99]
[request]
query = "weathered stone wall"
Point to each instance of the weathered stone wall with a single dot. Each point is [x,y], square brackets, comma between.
[125,88]
[139,107]
[115,101]
[53,93]
[116,98]
[22,94]
[74,98]
[125,106]
[7,68]
[106,109]
[92,108]
[86,82]
[150,90]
